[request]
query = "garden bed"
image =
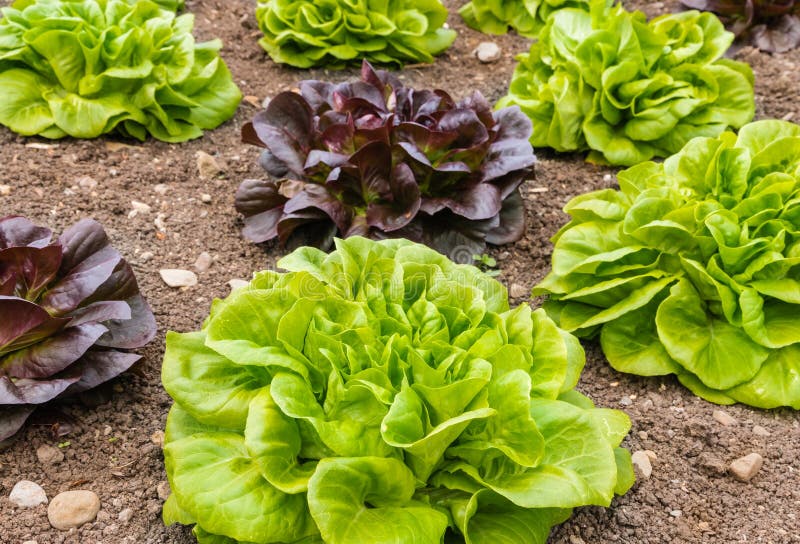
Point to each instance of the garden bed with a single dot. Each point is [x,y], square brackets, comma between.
[112,449]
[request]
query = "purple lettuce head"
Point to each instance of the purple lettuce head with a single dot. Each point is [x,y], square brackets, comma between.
[377,159]
[67,308]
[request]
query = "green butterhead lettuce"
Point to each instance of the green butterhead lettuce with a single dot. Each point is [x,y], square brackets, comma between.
[335,33]
[87,68]
[381,394]
[693,267]
[626,89]
[526,17]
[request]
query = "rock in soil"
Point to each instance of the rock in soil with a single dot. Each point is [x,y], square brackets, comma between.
[207,166]
[203,262]
[178,278]
[72,509]
[518,290]
[488,52]
[163,490]
[744,468]
[48,455]
[125,515]
[27,494]
[236,283]
[642,464]
[723,418]
[758,430]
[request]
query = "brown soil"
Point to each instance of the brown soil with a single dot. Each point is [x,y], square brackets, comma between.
[688,499]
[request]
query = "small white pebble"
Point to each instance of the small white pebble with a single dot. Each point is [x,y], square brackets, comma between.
[175,277]
[723,418]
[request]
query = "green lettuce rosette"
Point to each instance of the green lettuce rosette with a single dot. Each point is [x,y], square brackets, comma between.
[87,68]
[382,394]
[336,33]
[693,267]
[526,17]
[626,89]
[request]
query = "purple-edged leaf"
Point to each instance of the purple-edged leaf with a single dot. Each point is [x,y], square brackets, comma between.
[471,131]
[83,241]
[33,391]
[374,165]
[456,238]
[250,136]
[365,136]
[351,97]
[33,267]
[512,124]
[16,231]
[23,323]
[81,283]
[782,37]
[256,196]
[285,128]
[274,166]
[53,354]
[133,332]
[97,312]
[426,140]
[263,226]
[318,94]
[476,203]
[12,418]
[382,80]
[317,196]
[309,227]
[474,157]
[413,152]
[8,283]
[319,161]
[120,286]
[399,208]
[508,156]
[97,367]
[338,138]
[482,108]
[512,221]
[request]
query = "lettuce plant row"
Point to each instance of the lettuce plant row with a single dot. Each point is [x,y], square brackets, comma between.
[335,33]
[526,17]
[88,68]
[381,393]
[693,267]
[626,89]
[69,311]
[377,159]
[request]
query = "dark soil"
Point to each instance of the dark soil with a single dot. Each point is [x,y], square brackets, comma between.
[111,448]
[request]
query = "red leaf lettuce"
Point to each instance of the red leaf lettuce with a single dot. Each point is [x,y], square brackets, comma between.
[374,158]
[67,308]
